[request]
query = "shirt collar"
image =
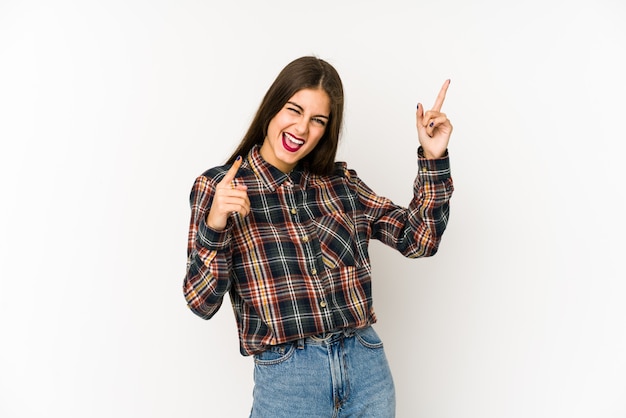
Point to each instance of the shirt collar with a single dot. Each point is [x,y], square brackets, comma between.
[272,176]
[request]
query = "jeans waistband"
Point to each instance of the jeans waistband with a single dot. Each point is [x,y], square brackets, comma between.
[326,338]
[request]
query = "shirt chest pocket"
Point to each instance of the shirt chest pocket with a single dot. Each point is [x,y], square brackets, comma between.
[336,233]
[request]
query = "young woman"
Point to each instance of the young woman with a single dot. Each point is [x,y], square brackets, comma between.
[284,229]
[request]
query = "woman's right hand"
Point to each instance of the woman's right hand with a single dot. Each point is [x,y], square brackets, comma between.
[228,199]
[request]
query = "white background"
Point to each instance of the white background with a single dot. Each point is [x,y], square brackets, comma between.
[110,109]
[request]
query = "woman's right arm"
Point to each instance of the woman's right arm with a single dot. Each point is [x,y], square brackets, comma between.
[208,255]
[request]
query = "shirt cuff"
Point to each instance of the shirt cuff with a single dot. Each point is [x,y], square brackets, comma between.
[437,169]
[211,239]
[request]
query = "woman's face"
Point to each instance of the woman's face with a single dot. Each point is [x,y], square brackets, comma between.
[296,129]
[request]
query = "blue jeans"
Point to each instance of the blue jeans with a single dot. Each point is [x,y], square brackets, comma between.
[345,374]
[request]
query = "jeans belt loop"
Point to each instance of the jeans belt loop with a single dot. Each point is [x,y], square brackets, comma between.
[300,344]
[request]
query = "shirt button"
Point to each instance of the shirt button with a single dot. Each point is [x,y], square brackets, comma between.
[305,239]
[323,304]
[294,211]
[314,271]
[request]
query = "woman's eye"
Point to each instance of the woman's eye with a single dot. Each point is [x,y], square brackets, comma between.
[294,110]
[319,121]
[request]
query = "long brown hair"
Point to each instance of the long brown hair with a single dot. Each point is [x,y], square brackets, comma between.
[303,73]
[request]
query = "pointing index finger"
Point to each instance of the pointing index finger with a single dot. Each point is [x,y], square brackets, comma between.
[441,97]
[232,171]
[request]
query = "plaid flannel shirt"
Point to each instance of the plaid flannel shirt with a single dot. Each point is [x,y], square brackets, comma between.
[298,264]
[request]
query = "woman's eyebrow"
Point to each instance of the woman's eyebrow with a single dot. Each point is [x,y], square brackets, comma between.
[296,105]
[302,110]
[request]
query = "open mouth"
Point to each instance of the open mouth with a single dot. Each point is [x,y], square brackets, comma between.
[291,143]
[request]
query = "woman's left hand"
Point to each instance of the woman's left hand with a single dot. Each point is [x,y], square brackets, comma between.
[433,127]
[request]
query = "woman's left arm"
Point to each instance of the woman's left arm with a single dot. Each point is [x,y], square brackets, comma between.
[416,231]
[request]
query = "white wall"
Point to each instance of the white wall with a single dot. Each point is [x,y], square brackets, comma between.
[110,109]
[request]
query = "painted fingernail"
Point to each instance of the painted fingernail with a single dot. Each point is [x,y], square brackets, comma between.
[432,124]
[418,105]
[238,158]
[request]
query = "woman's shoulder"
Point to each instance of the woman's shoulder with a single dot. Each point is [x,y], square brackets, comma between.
[209,179]
[216,173]
[342,170]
